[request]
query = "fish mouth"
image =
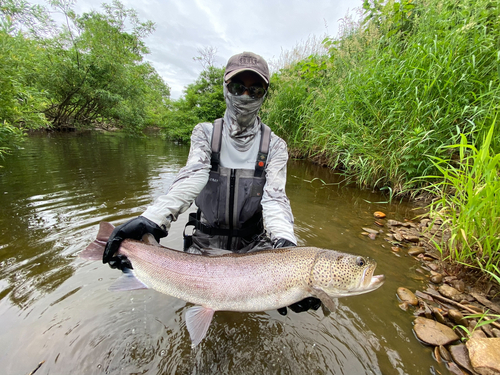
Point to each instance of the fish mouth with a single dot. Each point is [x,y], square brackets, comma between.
[376,281]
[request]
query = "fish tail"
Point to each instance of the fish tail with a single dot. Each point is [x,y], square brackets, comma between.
[95,250]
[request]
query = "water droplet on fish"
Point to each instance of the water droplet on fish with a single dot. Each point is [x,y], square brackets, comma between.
[99,279]
[163,352]
[99,366]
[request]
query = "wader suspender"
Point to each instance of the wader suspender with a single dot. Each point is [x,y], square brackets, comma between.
[260,164]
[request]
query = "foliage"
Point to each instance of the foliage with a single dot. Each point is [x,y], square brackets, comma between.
[484,319]
[20,103]
[87,72]
[203,101]
[400,84]
[468,203]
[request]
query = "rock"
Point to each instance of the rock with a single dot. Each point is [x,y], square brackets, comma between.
[406,295]
[369,230]
[454,369]
[427,311]
[433,266]
[487,330]
[437,278]
[394,223]
[484,354]
[395,248]
[379,214]
[434,333]
[415,250]
[457,317]
[398,236]
[458,285]
[445,354]
[495,332]
[460,356]
[478,334]
[437,355]
[425,296]
[437,314]
[372,236]
[448,291]
[411,238]
[486,302]
[404,306]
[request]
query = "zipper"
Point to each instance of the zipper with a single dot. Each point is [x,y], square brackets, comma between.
[232,183]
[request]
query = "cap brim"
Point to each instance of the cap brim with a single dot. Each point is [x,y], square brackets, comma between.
[234,72]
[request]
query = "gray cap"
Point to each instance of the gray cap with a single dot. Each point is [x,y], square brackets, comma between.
[247,61]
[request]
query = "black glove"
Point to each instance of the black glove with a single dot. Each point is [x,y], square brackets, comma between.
[281,242]
[135,229]
[306,303]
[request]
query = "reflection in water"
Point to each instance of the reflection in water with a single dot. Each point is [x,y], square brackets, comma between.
[56,307]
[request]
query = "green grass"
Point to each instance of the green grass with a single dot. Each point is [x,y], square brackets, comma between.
[388,93]
[408,89]
[468,203]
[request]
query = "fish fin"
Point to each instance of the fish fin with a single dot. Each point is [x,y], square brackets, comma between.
[326,300]
[208,251]
[149,239]
[127,281]
[105,230]
[198,320]
[94,251]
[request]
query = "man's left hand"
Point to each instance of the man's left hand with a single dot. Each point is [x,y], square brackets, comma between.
[306,303]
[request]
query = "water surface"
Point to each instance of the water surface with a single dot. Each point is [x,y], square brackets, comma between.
[55,307]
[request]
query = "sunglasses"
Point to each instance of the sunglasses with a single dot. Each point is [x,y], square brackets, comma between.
[237,89]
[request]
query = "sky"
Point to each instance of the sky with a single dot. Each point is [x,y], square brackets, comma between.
[270,28]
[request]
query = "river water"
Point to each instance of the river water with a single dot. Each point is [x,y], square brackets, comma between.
[56,307]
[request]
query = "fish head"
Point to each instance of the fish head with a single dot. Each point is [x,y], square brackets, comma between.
[341,274]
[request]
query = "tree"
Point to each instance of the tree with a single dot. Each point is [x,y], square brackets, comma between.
[203,102]
[95,70]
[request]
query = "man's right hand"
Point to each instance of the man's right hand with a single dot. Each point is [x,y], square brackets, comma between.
[134,229]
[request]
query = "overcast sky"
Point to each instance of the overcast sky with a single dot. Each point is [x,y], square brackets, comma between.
[266,27]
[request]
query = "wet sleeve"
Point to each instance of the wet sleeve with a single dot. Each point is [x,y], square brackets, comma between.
[276,210]
[188,183]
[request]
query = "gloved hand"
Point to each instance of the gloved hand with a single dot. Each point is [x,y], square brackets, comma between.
[135,229]
[306,303]
[282,242]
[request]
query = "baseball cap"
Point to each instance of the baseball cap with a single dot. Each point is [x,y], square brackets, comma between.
[247,61]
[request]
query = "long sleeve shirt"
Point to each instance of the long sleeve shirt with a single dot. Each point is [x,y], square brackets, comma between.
[191,179]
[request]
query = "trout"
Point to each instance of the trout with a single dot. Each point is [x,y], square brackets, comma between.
[225,281]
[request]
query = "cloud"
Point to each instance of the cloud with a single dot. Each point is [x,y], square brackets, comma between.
[265,27]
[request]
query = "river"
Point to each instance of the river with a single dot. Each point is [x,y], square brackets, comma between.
[56,307]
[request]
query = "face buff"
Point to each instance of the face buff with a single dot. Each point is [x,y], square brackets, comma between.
[241,116]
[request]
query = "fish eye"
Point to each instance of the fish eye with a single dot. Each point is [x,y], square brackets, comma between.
[360,261]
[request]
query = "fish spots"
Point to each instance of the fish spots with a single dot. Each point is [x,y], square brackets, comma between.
[340,271]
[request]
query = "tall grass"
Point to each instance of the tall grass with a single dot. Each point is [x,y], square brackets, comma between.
[400,82]
[468,203]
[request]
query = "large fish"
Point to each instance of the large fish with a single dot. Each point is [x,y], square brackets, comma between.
[259,281]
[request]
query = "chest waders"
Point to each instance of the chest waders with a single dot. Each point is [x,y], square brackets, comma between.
[229,206]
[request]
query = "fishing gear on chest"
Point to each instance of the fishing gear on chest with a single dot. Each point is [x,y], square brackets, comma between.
[230,203]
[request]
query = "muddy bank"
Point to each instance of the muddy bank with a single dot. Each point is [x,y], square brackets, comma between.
[457,312]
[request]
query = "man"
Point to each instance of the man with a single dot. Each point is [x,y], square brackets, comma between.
[236,174]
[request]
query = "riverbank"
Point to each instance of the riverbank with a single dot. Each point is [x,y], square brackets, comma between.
[457,311]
